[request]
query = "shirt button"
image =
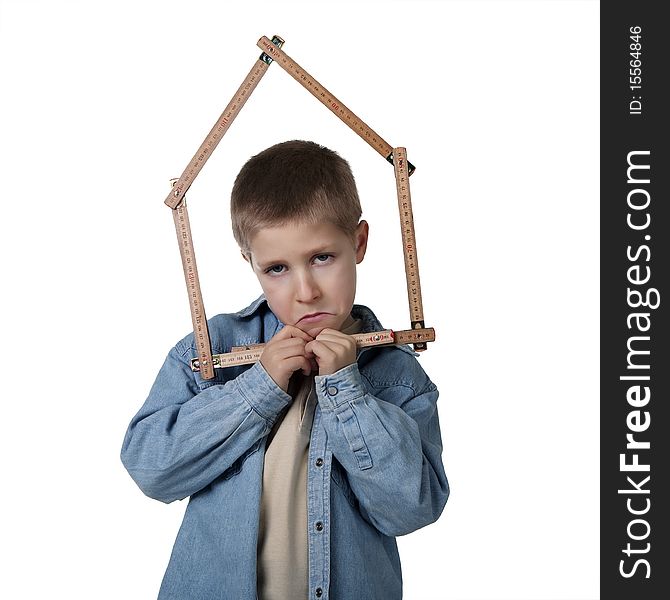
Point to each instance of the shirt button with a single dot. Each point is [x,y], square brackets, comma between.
[319,462]
[332,390]
[319,526]
[318,592]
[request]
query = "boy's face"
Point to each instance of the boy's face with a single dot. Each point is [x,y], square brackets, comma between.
[306,269]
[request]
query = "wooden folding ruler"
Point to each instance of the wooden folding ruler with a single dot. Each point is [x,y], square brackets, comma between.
[205,362]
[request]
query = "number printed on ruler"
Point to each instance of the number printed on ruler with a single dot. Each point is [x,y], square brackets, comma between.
[227,117]
[191,276]
[408,236]
[410,248]
[198,317]
[216,134]
[240,355]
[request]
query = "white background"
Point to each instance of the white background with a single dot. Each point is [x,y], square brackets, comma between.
[497,104]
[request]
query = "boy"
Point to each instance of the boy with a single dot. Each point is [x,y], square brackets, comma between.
[302,468]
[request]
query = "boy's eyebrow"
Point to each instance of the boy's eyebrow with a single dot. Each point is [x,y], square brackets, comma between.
[320,250]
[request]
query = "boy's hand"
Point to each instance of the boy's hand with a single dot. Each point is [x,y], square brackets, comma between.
[333,350]
[285,353]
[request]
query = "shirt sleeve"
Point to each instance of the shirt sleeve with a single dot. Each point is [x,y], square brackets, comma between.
[391,451]
[183,438]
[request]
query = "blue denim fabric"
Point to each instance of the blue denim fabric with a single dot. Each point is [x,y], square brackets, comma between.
[374,468]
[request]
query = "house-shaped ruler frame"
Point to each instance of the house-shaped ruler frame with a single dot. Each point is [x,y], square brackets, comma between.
[418,335]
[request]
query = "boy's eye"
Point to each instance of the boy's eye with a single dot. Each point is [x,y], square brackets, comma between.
[277,269]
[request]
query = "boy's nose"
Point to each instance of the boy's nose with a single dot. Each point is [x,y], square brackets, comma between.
[307,288]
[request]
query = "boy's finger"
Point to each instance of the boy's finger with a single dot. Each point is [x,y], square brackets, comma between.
[290,348]
[332,334]
[308,367]
[335,340]
[298,363]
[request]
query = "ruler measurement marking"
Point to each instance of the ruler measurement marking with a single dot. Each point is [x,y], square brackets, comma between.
[243,355]
[326,98]
[176,201]
[220,127]
[198,317]
[400,166]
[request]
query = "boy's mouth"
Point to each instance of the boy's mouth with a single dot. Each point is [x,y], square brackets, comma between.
[313,317]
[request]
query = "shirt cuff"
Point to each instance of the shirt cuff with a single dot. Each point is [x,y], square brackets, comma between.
[262,393]
[340,387]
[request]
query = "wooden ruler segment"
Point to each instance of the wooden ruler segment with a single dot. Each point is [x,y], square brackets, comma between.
[246,355]
[176,200]
[329,100]
[415,336]
[221,126]
[409,243]
[198,316]
[372,338]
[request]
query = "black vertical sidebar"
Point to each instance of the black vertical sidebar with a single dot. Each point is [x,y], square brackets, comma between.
[635,295]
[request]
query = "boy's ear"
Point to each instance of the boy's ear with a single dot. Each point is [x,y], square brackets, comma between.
[361,237]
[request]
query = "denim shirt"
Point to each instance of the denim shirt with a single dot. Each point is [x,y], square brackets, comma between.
[374,465]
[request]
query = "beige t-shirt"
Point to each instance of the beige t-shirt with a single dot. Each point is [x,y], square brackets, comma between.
[282,566]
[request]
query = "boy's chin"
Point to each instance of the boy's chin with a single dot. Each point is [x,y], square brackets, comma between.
[315,331]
